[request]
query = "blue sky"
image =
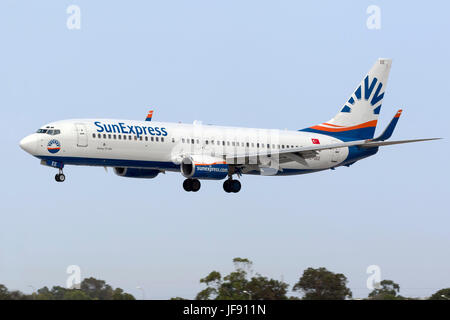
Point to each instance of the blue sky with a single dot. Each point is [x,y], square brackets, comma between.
[271,64]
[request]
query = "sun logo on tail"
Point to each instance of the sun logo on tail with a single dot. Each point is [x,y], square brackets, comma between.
[359,94]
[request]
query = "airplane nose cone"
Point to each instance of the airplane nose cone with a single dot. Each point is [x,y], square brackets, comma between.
[29,144]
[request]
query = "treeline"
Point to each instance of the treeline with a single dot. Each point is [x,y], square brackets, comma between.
[314,284]
[90,289]
[240,284]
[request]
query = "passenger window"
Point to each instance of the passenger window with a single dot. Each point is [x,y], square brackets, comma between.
[93,135]
[120,137]
[140,138]
[198,141]
[146,138]
[282,146]
[151,138]
[157,139]
[248,144]
[162,140]
[115,137]
[182,140]
[129,138]
[104,136]
[232,143]
[135,138]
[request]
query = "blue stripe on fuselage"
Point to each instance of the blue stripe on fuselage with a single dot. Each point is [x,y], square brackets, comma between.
[79,161]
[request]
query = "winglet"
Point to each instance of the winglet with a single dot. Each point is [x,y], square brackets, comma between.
[387,133]
[149,116]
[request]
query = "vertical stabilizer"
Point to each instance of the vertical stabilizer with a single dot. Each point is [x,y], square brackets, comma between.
[358,118]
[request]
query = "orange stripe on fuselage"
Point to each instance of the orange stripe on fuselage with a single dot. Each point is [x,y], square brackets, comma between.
[368,124]
[399,113]
[210,164]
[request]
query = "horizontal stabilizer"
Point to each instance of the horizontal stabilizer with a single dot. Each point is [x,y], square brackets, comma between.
[372,143]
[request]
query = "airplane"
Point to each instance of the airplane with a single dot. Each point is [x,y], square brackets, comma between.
[144,149]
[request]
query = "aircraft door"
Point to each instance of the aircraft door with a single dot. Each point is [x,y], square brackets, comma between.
[82,136]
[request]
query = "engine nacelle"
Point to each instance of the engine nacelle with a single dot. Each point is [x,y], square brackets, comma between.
[204,167]
[136,172]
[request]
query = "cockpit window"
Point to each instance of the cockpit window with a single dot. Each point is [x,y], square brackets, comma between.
[52,132]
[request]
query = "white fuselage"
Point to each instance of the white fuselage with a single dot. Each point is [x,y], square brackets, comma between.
[159,145]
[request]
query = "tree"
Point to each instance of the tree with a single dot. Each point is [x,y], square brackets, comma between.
[90,289]
[321,284]
[96,289]
[238,285]
[388,291]
[262,288]
[119,294]
[443,294]
[74,294]
[4,293]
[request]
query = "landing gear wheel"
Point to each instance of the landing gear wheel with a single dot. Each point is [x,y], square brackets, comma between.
[236,186]
[195,185]
[231,185]
[60,177]
[187,185]
[227,185]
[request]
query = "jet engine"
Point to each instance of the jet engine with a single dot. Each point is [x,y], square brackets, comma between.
[136,172]
[204,167]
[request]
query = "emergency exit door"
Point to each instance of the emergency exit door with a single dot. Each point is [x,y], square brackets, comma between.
[82,137]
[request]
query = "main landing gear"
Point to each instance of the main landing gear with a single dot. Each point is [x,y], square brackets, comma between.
[231,185]
[191,185]
[60,177]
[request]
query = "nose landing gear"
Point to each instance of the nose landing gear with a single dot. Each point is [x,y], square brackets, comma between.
[60,177]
